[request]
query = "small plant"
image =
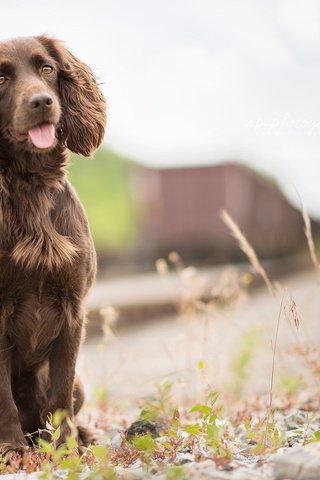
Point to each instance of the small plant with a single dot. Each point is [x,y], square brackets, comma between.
[147,446]
[265,436]
[209,428]
[161,406]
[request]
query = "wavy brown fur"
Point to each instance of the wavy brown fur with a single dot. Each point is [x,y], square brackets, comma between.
[47,258]
[83,106]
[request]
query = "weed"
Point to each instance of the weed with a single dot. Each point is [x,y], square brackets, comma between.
[247,249]
[265,436]
[161,406]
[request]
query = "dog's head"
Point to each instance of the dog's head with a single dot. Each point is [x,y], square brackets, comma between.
[47,97]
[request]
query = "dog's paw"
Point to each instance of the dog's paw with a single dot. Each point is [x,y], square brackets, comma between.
[88,435]
[12,453]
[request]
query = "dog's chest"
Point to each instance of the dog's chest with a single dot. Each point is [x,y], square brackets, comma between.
[31,326]
[31,315]
[27,232]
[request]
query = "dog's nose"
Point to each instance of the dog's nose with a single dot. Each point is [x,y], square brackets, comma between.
[41,102]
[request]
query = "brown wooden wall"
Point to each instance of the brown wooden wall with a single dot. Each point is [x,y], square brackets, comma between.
[180,210]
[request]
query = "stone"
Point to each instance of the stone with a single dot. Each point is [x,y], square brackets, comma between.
[298,463]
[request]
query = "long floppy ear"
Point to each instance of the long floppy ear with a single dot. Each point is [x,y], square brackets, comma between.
[83,104]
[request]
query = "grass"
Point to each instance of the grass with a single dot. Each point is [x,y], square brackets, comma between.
[247,249]
[103,185]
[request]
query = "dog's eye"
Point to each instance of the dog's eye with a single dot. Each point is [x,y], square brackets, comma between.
[47,69]
[3,79]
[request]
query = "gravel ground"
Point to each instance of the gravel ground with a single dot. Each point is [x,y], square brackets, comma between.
[227,350]
[130,363]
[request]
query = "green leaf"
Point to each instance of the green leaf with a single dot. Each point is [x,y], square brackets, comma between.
[202,408]
[167,445]
[45,447]
[100,451]
[212,431]
[56,434]
[71,463]
[212,397]
[149,412]
[58,416]
[71,443]
[58,455]
[145,443]
[212,418]
[172,432]
[192,429]
[317,435]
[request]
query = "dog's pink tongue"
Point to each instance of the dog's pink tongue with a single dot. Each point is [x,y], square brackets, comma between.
[42,136]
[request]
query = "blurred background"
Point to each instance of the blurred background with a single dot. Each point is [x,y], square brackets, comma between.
[211,104]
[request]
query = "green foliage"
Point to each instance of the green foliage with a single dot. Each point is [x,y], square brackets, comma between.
[67,455]
[161,406]
[265,436]
[103,185]
[316,437]
[58,417]
[207,427]
[194,429]
[146,445]
[202,408]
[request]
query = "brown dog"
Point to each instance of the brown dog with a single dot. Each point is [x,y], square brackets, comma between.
[49,101]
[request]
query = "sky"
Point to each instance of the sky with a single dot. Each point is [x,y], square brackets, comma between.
[197,82]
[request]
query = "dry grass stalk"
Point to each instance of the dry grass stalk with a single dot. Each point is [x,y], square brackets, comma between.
[308,234]
[294,312]
[274,348]
[247,249]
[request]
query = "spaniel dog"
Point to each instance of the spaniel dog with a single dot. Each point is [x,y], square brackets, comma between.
[49,103]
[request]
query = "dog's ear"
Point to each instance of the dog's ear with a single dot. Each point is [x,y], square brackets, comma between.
[83,104]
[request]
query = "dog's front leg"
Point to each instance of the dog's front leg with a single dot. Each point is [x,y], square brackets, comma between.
[11,435]
[62,362]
